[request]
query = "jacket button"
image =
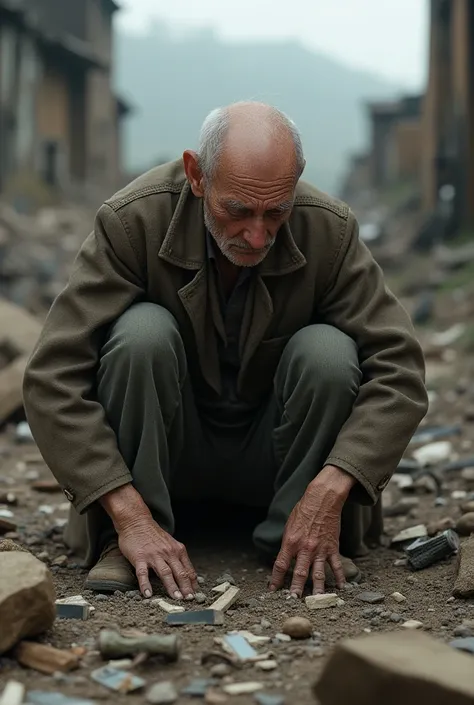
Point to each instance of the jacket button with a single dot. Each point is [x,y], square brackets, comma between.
[383,483]
[68,495]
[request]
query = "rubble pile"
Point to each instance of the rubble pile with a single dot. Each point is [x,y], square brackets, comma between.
[36,253]
[410,623]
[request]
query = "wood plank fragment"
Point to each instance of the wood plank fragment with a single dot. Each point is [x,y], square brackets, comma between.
[225,601]
[45,659]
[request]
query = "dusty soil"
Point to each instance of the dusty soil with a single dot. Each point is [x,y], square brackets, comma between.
[222,544]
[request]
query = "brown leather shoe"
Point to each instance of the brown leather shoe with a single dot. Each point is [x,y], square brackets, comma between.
[112,572]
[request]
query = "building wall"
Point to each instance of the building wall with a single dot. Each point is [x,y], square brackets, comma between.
[408,137]
[448,120]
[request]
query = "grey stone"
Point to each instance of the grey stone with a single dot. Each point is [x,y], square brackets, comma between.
[372,598]
[101,598]
[266,699]
[198,687]
[220,670]
[27,599]
[162,694]
[396,618]
[463,631]
[225,578]
[465,644]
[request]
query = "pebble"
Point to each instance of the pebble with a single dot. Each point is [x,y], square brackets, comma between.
[466,644]
[200,598]
[220,670]
[101,598]
[400,562]
[132,593]
[465,525]
[467,507]
[201,580]
[412,624]
[372,598]
[265,699]
[440,502]
[265,623]
[162,693]
[268,665]
[60,561]
[283,637]
[323,601]
[398,597]
[459,494]
[396,618]
[297,628]
[463,631]
[225,578]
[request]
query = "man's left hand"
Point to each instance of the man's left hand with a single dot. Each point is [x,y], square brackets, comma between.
[312,533]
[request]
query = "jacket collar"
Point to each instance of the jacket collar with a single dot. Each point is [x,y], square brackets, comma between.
[185,241]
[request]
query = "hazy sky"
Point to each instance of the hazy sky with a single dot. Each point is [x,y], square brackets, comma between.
[388,37]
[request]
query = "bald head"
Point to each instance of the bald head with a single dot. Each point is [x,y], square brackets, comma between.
[249,137]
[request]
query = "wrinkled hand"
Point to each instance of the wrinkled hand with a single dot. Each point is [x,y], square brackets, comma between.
[147,546]
[312,533]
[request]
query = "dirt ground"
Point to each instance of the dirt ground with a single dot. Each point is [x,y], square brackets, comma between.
[218,548]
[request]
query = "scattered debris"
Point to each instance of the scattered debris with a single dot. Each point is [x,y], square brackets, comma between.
[412,624]
[467,507]
[398,597]
[162,694]
[297,628]
[74,607]
[13,693]
[425,552]
[267,699]
[46,486]
[464,585]
[253,639]
[372,598]
[433,453]
[413,532]
[222,588]
[465,524]
[9,498]
[23,433]
[167,606]
[114,645]
[121,681]
[395,667]
[198,687]
[440,525]
[45,659]
[267,665]
[242,688]
[225,601]
[39,697]
[464,644]
[27,606]
[284,638]
[209,616]
[323,601]
[237,645]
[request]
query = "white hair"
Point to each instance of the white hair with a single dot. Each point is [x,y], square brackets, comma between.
[214,130]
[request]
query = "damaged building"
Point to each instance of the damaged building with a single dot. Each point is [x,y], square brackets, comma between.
[60,120]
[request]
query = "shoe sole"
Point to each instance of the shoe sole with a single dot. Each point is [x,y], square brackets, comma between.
[108,586]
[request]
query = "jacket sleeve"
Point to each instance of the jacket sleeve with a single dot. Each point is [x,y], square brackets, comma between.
[66,420]
[392,398]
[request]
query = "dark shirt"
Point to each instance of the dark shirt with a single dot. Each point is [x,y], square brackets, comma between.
[228,411]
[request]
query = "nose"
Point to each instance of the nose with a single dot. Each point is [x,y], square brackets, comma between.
[256,234]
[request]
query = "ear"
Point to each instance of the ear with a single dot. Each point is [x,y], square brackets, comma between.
[193,173]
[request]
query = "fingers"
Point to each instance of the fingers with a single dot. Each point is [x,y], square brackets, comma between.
[165,573]
[280,569]
[318,575]
[337,569]
[192,575]
[300,573]
[181,576]
[141,570]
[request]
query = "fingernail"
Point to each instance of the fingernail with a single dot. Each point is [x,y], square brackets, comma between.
[178,595]
[272,588]
[294,596]
[147,593]
[190,597]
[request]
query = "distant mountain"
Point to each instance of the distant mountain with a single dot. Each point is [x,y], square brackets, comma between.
[174,81]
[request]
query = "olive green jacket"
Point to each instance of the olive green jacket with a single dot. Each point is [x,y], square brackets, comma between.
[149,244]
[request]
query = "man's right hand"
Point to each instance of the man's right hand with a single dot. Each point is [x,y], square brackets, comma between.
[149,547]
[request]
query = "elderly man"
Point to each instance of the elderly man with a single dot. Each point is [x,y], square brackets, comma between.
[225,334]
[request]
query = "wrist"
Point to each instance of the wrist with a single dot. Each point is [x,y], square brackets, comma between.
[125,507]
[335,480]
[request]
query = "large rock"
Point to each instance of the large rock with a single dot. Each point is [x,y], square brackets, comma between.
[393,668]
[464,585]
[26,598]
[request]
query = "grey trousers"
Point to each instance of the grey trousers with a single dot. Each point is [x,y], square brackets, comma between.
[144,387]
